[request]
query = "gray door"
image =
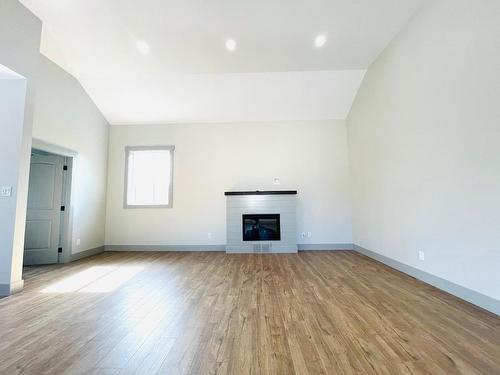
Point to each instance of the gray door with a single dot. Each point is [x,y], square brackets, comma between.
[43,217]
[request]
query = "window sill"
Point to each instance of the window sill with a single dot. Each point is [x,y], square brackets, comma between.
[147,206]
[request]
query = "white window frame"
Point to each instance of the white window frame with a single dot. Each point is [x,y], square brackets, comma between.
[170,148]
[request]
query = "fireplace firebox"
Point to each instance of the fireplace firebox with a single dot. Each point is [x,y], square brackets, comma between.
[261,227]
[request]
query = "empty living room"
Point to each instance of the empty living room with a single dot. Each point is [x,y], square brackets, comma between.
[250,187]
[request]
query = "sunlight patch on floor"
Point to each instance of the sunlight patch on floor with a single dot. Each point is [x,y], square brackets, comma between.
[97,279]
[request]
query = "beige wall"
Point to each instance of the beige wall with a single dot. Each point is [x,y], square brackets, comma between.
[212,158]
[66,116]
[424,139]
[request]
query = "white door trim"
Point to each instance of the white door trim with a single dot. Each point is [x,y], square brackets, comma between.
[52,148]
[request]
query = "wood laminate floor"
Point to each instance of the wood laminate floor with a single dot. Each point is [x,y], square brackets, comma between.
[211,313]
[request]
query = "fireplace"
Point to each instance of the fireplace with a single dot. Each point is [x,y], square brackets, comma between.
[261,227]
[261,221]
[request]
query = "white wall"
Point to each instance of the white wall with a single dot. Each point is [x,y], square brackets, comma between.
[19,48]
[12,104]
[66,116]
[212,158]
[424,139]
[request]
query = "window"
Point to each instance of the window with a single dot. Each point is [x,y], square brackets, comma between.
[148,176]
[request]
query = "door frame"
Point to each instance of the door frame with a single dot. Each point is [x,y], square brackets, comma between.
[66,224]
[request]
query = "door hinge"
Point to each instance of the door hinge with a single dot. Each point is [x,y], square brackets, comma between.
[63,208]
[65,167]
[59,250]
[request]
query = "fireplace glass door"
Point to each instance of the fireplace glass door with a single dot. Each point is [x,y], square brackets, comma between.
[261,227]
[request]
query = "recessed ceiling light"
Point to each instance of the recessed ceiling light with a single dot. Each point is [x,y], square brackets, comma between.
[142,47]
[320,40]
[230,44]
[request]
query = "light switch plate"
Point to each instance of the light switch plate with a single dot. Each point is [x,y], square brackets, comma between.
[6,191]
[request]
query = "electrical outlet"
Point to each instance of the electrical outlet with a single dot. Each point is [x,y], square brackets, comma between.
[303,234]
[6,191]
[209,235]
[276,181]
[309,234]
[421,255]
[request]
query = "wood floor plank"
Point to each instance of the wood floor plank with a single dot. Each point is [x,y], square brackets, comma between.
[323,312]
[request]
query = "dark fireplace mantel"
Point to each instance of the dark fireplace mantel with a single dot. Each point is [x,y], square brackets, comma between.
[257,192]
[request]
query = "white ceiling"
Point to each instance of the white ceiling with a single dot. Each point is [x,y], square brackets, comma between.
[95,40]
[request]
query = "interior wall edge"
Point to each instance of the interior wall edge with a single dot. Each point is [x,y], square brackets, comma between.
[12,288]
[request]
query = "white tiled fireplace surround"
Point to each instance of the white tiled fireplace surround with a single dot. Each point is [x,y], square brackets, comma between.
[261,202]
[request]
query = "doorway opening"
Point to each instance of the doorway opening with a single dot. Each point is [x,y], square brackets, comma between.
[48,232]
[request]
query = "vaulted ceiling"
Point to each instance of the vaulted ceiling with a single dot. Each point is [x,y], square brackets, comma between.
[156,61]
